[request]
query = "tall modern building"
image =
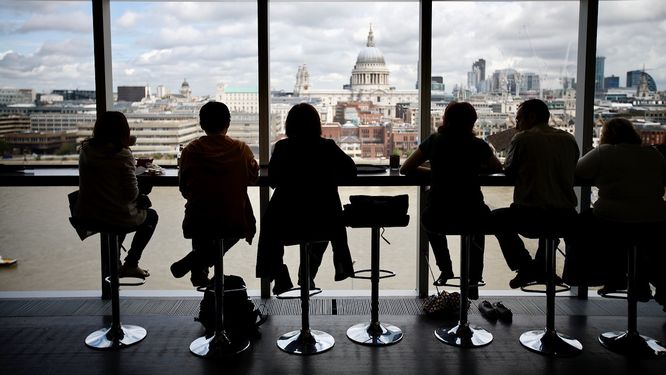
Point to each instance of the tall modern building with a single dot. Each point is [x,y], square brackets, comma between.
[612,82]
[634,79]
[599,73]
[477,76]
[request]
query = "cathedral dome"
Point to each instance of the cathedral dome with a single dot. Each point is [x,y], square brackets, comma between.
[370,55]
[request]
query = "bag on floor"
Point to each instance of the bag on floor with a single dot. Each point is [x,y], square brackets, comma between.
[444,305]
[241,318]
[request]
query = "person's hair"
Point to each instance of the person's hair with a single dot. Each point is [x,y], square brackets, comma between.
[214,117]
[535,109]
[111,128]
[303,121]
[619,130]
[459,118]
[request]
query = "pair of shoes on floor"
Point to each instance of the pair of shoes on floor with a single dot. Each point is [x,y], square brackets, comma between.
[442,279]
[494,311]
[132,271]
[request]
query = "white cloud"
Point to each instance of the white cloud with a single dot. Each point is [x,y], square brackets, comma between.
[129,19]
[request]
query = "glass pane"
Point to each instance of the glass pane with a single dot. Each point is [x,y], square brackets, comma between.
[170,58]
[495,55]
[47,78]
[631,73]
[357,63]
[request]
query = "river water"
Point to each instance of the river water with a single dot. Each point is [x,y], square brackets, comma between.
[34,228]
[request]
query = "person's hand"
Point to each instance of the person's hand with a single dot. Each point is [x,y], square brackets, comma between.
[143,202]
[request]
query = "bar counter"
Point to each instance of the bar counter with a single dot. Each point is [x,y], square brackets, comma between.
[45,175]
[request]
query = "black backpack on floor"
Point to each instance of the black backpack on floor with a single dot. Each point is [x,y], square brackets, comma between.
[241,318]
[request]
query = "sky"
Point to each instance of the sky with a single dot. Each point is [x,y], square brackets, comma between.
[47,45]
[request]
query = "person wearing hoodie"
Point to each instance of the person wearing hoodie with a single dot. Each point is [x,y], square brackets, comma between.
[215,171]
[109,193]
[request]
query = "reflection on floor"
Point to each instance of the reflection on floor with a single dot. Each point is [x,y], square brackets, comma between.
[45,336]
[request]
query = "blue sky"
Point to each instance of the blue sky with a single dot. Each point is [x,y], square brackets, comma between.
[48,44]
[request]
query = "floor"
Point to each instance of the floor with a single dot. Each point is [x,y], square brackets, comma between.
[45,336]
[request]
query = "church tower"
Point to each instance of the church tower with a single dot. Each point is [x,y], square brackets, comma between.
[370,71]
[302,86]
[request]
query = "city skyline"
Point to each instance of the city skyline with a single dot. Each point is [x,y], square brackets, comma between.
[48,45]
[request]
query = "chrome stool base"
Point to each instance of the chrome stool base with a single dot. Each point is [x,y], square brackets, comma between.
[465,336]
[622,342]
[550,343]
[374,335]
[130,335]
[212,347]
[305,342]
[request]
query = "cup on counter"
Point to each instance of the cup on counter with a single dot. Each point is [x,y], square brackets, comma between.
[144,162]
[394,162]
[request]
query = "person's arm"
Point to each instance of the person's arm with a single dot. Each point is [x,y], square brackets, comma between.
[413,166]
[491,164]
[129,186]
[275,165]
[183,172]
[344,163]
[511,164]
[587,168]
[252,166]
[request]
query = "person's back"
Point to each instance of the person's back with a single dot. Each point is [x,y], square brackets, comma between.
[108,188]
[215,172]
[542,161]
[630,178]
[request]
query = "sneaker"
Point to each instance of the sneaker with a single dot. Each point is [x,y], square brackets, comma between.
[282,281]
[133,271]
[442,279]
[524,276]
[199,278]
[487,310]
[503,313]
[182,266]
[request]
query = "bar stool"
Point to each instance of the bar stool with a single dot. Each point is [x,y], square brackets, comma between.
[630,342]
[464,334]
[118,335]
[218,345]
[305,341]
[548,341]
[374,333]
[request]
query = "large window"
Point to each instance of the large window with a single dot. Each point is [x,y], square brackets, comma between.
[357,63]
[630,66]
[46,65]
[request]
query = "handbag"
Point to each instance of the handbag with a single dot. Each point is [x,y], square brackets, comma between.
[377,210]
[443,305]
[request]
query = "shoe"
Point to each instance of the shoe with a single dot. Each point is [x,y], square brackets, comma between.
[182,266]
[442,279]
[503,313]
[312,284]
[133,271]
[487,310]
[524,276]
[199,278]
[282,281]
[343,272]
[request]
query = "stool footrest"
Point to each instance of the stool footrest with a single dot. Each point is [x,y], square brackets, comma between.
[386,273]
[478,284]
[139,281]
[289,295]
[616,294]
[206,289]
[559,288]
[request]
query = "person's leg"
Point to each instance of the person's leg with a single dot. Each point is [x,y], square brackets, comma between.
[506,221]
[143,234]
[342,259]
[440,249]
[270,264]
[317,250]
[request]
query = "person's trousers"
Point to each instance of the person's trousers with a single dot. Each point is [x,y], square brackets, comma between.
[144,232]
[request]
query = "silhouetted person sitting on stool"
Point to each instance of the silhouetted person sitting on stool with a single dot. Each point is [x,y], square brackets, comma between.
[541,162]
[215,171]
